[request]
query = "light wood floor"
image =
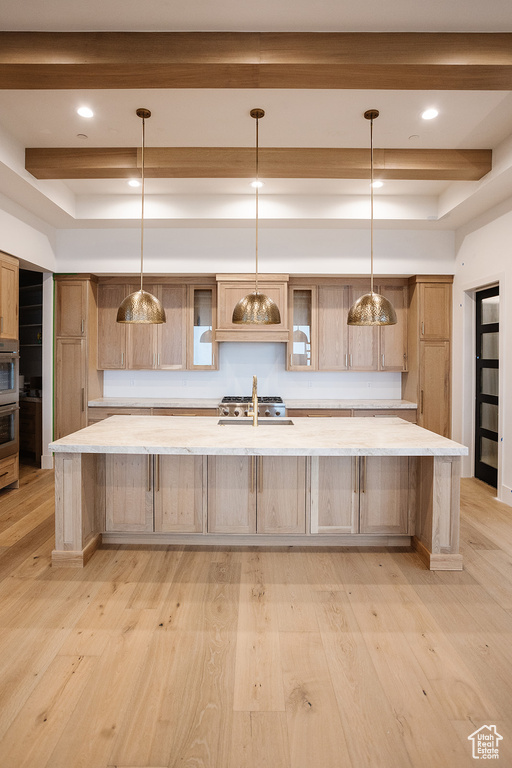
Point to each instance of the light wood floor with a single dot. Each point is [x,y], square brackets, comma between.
[246,658]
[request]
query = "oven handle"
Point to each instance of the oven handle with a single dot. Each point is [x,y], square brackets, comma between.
[6,356]
[5,410]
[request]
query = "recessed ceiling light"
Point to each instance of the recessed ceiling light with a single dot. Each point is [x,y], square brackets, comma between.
[85,112]
[134,183]
[377,184]
[257,184]
[429,114]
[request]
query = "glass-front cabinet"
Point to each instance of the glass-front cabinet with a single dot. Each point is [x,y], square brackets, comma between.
[302,352]
[202,347]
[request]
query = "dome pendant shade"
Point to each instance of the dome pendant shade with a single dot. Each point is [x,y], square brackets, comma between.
[372,309]
[141,307]
[256,309]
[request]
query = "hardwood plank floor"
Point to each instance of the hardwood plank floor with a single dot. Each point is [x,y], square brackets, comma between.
[250,658]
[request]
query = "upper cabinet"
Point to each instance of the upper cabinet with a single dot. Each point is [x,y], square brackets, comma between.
[232,288]
[435,307]
[201,342]
[185,341]
[320,338]
[71,310]
[8,297]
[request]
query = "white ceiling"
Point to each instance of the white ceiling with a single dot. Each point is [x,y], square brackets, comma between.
[294,118]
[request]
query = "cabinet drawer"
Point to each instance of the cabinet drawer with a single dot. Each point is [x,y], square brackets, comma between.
[98,414]
[185,412]
[8,470]
[320,412]
[408,414]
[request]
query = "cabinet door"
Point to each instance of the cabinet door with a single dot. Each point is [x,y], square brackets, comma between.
[111,334]
[332,328]
[141,341]
[435,311]
[281,498]
[201,345]
[129,500]
[384,494]
[179,493]
[393,338]
[8,300]
[434,384]
[231,494]
[302,347]
[171,335]
[70,386]
[334,494]
[363,341]
[71,307]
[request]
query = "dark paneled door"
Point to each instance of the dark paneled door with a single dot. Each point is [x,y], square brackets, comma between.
[487,378]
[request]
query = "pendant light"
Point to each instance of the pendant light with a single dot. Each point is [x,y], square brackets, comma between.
[372,308]
[256,308]
[141,306]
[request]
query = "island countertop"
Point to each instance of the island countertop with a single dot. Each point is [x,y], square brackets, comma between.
[347,436]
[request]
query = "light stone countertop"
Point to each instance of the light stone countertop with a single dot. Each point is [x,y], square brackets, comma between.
[177,402]
[306,437]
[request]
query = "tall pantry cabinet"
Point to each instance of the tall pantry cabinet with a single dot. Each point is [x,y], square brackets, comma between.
[77,379]
[429,347]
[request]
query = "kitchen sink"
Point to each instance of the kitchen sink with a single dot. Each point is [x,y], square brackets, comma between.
[278,422]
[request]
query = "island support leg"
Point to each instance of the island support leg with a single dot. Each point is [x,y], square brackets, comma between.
[79,506]
[438,512]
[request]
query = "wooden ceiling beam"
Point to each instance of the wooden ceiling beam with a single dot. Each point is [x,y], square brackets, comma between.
[397,60]
[238,162]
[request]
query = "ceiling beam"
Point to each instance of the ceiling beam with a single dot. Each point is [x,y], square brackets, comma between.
[396,60]
[276,163]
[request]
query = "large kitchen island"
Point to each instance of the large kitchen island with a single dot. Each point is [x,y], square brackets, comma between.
[306,482]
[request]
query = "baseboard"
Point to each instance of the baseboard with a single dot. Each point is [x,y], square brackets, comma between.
[505,495]
[443,561]
[47,461]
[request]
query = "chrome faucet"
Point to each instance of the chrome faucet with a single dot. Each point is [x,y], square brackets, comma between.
[254,412]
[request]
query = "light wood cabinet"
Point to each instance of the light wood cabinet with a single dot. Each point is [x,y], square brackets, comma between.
[111,334]
[365,495]
[232,288]
[141,340]
[334,495]
[363,341]
[435,305]
[384,494]
[71,308]
[9,471]
[179,500]
[129,502]
[9,297]
[434,386]
[255,494]
[302,348]
[333,306]
[202,348]
[77,378]
[172,335]
[427,381]
[231,494]
[393,338]
[281,497]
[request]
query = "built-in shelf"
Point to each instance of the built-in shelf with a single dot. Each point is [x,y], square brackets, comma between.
[31,345]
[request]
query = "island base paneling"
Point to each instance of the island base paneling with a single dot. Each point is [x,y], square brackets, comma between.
[183,499]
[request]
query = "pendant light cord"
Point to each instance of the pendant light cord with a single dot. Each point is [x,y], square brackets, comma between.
[142,204]
[371,205]
[257,211]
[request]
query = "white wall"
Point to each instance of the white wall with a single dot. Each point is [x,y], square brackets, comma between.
[483,258]
[296,251]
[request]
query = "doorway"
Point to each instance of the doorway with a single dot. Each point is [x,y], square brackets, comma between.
[487,385]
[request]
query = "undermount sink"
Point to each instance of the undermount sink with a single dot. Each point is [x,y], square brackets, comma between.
[278,422]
